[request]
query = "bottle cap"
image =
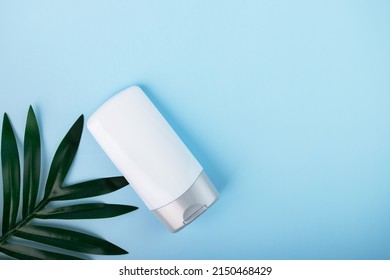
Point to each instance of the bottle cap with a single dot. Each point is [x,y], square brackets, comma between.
[190,205]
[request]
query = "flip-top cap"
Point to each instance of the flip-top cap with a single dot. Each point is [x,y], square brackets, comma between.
[190,205]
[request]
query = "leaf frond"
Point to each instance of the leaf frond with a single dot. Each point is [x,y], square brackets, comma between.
[63,239]
[11,175]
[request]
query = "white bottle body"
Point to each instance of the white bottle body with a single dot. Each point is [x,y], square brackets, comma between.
[144,147]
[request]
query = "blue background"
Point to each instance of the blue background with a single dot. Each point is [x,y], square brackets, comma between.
[285,104]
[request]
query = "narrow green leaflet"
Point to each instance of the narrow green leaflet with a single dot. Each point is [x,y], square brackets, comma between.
[85,211]
[32,163]
[29,253]
[90,188]
[64,156]
[69,239]
[11,175]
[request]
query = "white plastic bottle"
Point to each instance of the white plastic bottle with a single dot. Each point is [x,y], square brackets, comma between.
[152,158]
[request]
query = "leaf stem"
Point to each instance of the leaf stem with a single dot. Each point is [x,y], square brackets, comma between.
[24,221]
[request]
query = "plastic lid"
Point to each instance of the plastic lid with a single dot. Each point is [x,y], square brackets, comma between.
[190,205]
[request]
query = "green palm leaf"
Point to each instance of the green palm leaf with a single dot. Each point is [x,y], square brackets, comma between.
[54,190]
[69,239]
[89,188]
[85,211]
[11,175]
[29,253]
[64,156]
[32,163]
